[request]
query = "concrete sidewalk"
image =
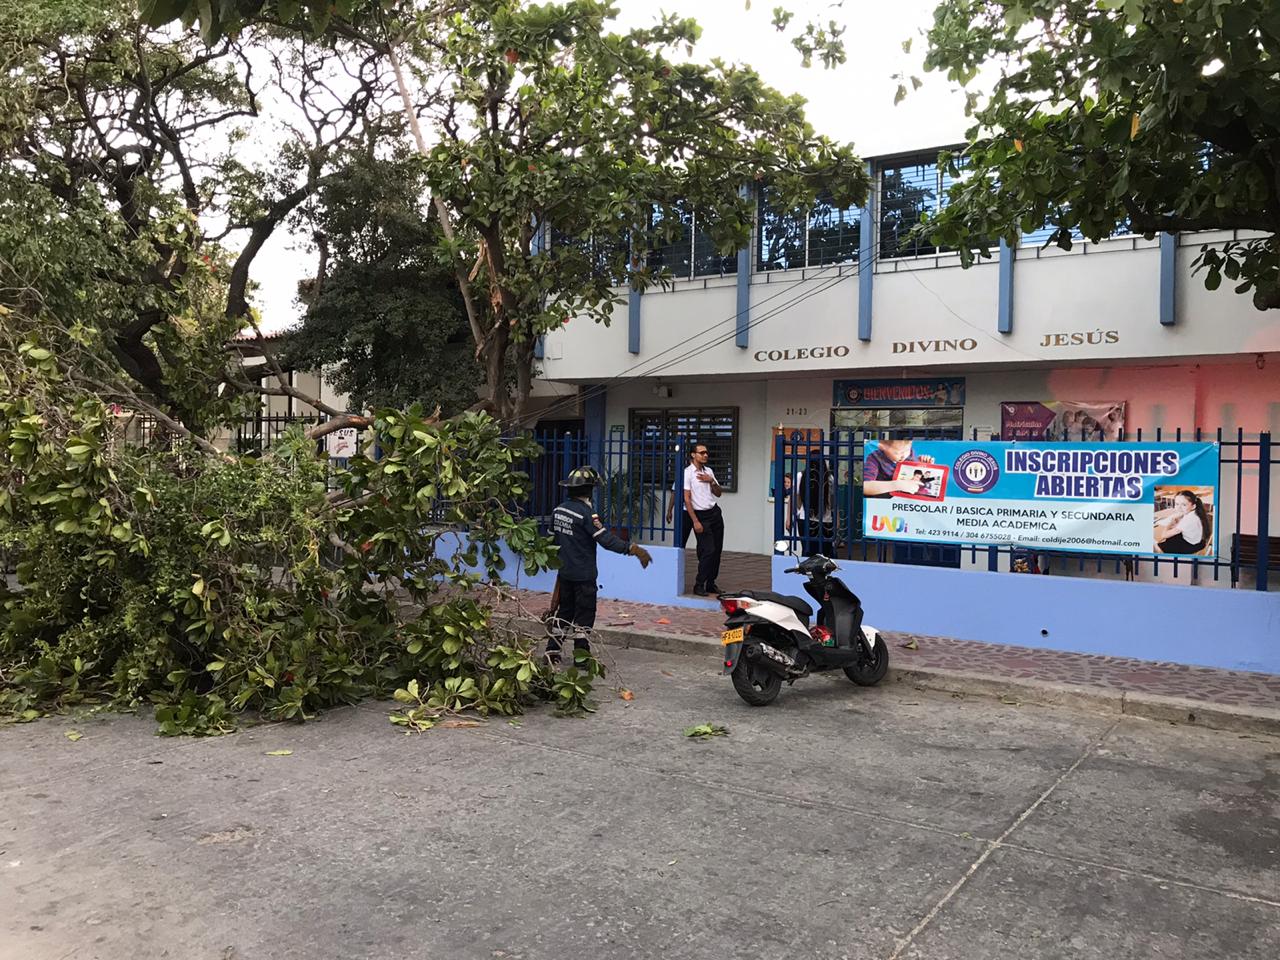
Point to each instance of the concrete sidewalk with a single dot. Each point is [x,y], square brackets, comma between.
[1222,699]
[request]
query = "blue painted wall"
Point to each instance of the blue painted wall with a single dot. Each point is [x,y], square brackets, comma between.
[621,578]
[1229,629]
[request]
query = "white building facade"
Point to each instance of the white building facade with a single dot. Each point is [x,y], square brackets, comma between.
[801,331]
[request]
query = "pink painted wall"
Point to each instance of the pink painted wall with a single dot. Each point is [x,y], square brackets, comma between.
[1234,396]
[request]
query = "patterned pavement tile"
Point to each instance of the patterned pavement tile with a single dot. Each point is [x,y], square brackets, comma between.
[1205,684]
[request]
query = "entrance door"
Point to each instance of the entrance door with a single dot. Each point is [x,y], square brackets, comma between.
[855,427]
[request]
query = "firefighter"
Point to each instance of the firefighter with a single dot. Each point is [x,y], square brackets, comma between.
[578,531]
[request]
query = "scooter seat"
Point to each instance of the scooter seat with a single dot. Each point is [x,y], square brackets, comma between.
[795,603]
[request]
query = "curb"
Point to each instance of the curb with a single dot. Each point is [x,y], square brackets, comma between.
[1146,706]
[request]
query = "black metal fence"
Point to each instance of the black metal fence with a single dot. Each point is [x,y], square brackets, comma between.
[826,515]
[642,489]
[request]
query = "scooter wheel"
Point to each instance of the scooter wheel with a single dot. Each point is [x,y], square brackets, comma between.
[757,685]
[867,673]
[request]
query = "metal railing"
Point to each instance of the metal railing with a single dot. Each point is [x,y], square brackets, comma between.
[827,517]
[642,478]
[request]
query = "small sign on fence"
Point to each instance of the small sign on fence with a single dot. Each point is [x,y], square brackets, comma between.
[1148,499]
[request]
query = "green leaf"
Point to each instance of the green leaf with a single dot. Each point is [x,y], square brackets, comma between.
[73,735]
[215,665]
[157,13]
[279,753]
[704,731]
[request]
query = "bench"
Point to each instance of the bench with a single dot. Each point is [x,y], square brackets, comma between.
[1244,553]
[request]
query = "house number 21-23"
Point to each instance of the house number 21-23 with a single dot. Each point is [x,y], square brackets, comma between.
[797,411]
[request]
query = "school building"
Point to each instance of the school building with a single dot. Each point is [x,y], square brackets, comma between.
[837,323]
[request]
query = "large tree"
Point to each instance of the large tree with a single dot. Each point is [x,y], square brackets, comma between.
[384,317]
[1148,114]
[143,172]
[1093,115]
[548,139]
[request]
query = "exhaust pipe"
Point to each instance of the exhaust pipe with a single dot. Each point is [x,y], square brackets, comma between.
[780,663]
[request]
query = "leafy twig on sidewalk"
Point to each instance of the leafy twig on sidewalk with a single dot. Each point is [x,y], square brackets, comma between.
[705,731]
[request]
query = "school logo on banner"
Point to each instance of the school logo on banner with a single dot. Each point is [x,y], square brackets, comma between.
[976,471]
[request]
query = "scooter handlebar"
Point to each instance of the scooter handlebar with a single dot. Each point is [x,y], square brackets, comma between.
[792,570]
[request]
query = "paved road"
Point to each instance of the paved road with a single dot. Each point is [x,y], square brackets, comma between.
[839,823]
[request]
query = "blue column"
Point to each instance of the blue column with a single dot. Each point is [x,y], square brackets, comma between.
[1004,321]
[537,244]
[633,309]
[866,257]
[1264,511]
[593,417]
[743,334]
[1168,279]
[633,320]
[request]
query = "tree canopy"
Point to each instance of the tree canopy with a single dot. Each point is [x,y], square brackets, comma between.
[384,318]
[1138,114]
[1093,116]
[548,140]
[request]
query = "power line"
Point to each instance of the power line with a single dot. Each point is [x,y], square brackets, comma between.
[634,373]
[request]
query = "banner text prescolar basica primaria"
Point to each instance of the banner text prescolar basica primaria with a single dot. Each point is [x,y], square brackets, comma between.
[1130,498]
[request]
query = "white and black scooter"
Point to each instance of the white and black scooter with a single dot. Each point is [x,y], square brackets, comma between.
[767,638]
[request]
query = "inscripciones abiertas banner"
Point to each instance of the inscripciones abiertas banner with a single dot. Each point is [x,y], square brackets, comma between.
[1150,499]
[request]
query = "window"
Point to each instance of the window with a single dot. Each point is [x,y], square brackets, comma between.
[823,235]
[908,192]
[717,428]
[780,238]
[672,252]
[605,257]
[835,233]
[687,251]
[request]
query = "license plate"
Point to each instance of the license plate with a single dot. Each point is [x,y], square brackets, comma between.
[731,636]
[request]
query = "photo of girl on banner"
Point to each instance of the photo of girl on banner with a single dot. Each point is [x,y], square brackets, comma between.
[1184,521]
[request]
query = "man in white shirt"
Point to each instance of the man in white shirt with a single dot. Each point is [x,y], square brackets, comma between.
[701,493]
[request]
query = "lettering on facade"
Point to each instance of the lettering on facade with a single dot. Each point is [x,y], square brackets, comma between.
[934,346]
[801,353]
[1080,338]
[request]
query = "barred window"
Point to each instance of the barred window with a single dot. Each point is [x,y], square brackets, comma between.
[823,235]
[717,428]
[688,250]
[909,191]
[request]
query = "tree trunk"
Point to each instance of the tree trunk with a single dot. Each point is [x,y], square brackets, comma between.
[524,380]
[494,355]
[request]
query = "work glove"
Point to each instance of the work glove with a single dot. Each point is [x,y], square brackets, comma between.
[641,554]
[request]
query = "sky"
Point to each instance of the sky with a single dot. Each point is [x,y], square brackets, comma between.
[853,103]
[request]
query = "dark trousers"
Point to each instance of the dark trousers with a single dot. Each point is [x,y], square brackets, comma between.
[577,611]
[820,538]
[687,523]
[710,545]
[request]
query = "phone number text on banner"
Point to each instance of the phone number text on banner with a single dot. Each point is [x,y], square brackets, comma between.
[1149,499]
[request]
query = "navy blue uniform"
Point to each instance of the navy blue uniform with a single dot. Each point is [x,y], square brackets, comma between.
[577,530]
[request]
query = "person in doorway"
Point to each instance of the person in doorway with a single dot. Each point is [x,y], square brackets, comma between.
[816,507]
[1186,529]
[877,476]
[578,531]
[701,502]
